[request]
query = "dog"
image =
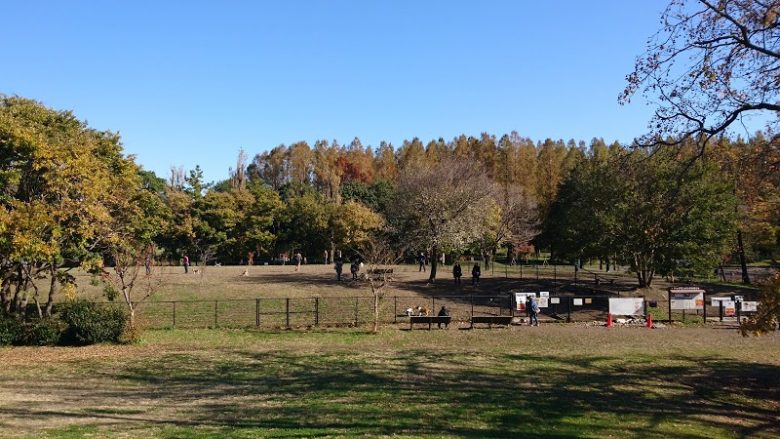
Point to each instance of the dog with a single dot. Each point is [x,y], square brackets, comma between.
[422,311]
[196,271]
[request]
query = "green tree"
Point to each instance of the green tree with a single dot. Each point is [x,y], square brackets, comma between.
[442,205]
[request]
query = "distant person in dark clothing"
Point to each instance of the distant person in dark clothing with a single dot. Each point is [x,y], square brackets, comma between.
[338,267]
[476,272]
[421,261]
[457,272]
[444,312]
[186,264]
[354,268]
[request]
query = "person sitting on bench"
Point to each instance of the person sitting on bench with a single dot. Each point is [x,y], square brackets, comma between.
[444,312]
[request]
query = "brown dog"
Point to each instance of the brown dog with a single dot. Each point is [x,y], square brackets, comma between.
[422,311]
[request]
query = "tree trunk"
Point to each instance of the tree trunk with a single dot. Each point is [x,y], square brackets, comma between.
[5,291]
[607,263]
[434,263]
[52,290]
[376,311]
[130,307]
[742,259]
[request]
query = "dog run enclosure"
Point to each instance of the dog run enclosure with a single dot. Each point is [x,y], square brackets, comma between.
[279,313]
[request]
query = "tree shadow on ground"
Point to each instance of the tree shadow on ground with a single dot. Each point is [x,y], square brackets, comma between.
[423,393]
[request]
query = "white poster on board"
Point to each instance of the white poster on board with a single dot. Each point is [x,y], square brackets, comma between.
[544,302]
[627,306]
[577,302]
[521,300]
[544,294]
[749,306]
[729,308]
[555,300]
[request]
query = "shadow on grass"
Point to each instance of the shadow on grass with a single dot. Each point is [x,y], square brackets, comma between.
[424,393]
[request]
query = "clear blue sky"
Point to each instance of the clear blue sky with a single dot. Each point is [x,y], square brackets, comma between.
[192,82]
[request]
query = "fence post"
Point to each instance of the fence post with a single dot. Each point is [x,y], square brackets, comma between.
[356,310]
[395,309]
[174,314]
[316,311]
[669,304]
[521,272]
[720,309]
[216,312]
[537,271]
[555,273]
[257,312]
[287,312]
[705,307]
[433,304]
[472,305]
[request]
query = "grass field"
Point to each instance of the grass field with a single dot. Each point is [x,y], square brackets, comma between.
[551,381]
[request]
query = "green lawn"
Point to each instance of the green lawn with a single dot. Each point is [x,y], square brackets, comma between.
[551,381]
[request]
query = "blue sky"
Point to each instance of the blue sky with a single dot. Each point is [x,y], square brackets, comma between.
[192,82]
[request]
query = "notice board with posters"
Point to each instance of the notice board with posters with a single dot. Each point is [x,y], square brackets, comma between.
[521,300]
[686,298]
[627,306]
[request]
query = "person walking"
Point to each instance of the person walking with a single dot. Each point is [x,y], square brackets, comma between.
[421,261]
[186,264]
[298,259]
[533,311]
[476,272]
[457,272]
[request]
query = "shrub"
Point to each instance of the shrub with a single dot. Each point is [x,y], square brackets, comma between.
[40,332]
[10,329]
[90,323]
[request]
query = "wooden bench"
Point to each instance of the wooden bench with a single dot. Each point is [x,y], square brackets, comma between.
[430,320]
[491,320]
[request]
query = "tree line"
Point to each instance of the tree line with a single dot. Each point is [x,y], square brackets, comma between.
[70,197]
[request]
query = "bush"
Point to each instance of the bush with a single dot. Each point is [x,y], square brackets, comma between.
[10,329]
[90,323]
[40,332]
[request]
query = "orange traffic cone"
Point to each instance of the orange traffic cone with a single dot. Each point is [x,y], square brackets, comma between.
[609,320]
[650,321]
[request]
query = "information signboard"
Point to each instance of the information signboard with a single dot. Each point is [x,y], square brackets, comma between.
[627,306]
[749,306]
[687,298]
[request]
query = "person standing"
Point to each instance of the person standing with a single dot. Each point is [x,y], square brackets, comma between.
[186,264]
[354,268]
[148,264]
[457,272]
[533,311]
[476,272]
[421,261]
[339,267]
